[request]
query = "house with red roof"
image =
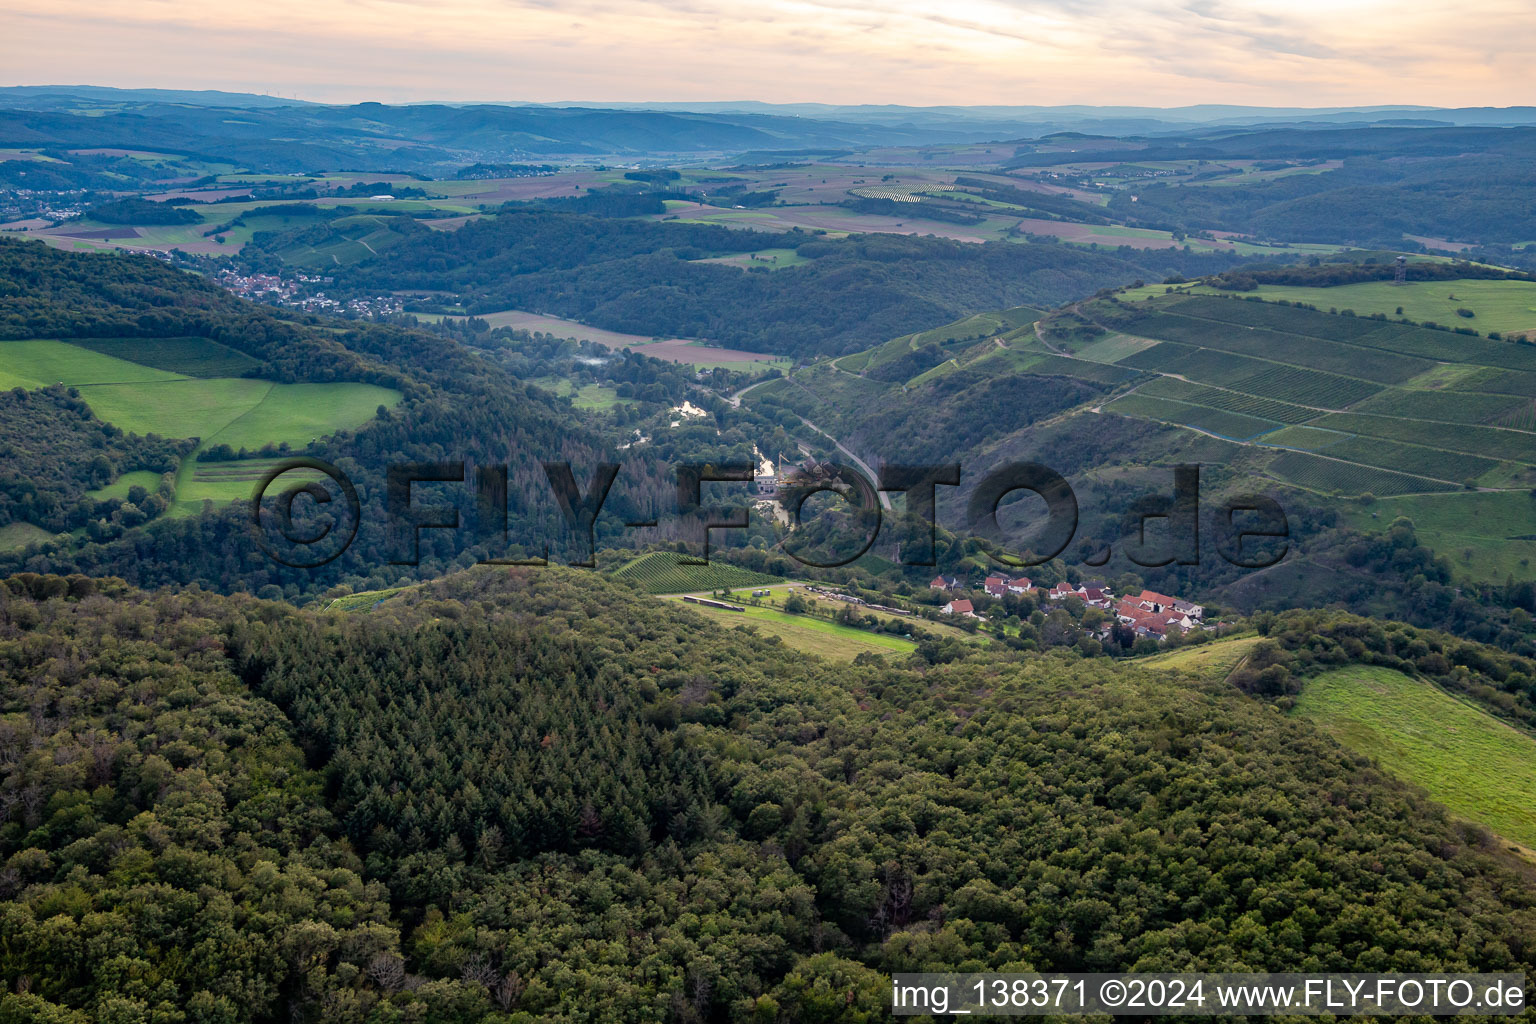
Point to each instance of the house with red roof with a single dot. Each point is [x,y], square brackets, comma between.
[960,607]
[1152,601]
[1096,597]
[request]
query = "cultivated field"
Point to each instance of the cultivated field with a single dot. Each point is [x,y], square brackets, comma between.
[676,350]
[1474,764]
[181,397]
[1211,661]
[1355,405]
[803,633]
[1505,306]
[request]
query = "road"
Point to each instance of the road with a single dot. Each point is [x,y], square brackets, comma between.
[735,399]
[885,499]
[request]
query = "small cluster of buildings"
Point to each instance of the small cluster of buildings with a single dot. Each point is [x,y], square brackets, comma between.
[293,293]
[1152,614]
[42,205]
[837,595]
[258,286]
[1147,613]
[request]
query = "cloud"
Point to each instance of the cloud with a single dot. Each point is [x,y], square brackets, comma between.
[1112,52]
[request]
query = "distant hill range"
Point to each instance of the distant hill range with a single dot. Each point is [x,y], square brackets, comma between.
[425,137]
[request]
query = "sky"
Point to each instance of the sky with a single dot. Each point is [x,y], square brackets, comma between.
[916,52]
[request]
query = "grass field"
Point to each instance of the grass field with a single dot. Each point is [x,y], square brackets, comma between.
[1213,660]
[14,536]
[812,636]
[191,357]
[777,596]
[1490,535]
[365,601]
[145,478]
[591,397]
[1499,305]
[762,259]
[241,412]
[44,362]
[1474,764]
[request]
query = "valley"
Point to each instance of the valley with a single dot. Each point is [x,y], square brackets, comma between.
[460,730]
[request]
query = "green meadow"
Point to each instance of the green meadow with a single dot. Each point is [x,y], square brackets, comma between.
[1489,535]
[812,636]
[145,478]
[589,397]
[765,259]
[44,362]
[1474,764]
[18,535]
[242,412]
[1212,660]
[1498,305]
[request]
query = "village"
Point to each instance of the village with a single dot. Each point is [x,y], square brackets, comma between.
[1147,613]
[274,289]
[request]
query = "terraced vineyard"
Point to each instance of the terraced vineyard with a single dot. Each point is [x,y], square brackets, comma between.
[660,573]
[1231,401]
[1231,425]
[1342,406]
[1358,404]
[951,338]
[1321,474]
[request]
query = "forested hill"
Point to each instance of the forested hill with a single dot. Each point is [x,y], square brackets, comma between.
[530,794]
[45,293]
[456,404]
[644,277]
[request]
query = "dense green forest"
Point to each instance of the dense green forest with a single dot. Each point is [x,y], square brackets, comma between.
[138,211]
[640,277]
[53,450]
[530,794]
[407,788]
[470,395]
[459,404]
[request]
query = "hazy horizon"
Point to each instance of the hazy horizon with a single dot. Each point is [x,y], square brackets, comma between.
[1149,53]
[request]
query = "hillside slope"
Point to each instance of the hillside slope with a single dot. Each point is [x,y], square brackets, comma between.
[497,794]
